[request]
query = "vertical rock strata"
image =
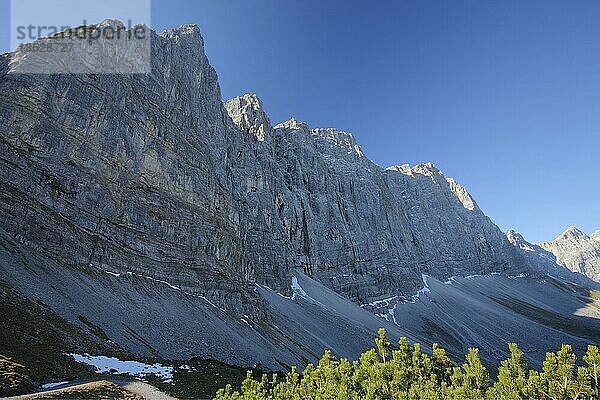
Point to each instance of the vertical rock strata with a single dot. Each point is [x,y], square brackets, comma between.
[154,175]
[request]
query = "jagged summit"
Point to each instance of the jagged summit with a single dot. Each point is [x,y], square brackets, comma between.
[328,133]
[183,29]
[427,166]
[112,23]
[422,168]
[430,170]
[517,240]
[140,54]
[573,232]
[596,235]
[404,168]
[577,251]
[292,124]
[248,114]
[191,30]
[340,138]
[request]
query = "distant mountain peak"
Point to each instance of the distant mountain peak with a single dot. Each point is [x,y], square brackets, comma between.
[573,232]
[577,251]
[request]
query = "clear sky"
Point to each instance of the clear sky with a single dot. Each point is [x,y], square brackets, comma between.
[502,95]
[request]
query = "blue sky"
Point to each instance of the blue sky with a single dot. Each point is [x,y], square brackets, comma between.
[501,95]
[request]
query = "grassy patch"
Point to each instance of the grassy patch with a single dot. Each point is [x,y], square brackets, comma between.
[14,378]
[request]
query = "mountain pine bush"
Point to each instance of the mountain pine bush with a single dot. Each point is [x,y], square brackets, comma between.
[409,373]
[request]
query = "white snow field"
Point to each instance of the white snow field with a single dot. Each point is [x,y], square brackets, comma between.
[113,365]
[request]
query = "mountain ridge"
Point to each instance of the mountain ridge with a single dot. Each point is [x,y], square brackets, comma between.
[162,214]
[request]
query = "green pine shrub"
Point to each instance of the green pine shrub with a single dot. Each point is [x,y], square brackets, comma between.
[407,372]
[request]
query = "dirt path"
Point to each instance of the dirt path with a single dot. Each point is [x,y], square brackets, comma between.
[141,388]
[134,386]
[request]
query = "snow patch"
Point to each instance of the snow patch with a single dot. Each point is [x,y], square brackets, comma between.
[454,278]
[163,282]
[384,316]
[521,275]
[389,315]
[297,289]
[392,313]
[256,285]
[424,290]
[284,296]
[377,303]
[52,385]
[244,319]
[113,365]
[450,280]
[168,284]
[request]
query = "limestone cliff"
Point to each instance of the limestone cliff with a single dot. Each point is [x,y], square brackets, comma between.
[153,174]
[162,215]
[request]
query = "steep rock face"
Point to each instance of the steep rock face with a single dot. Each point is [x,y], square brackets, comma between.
[153,179]
[127,173]
[533,255]
[152,174]
[248,114]
[596,236]
[360,229]
[577,251]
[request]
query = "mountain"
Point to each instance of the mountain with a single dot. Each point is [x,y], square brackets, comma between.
[159,221]
[577,251]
